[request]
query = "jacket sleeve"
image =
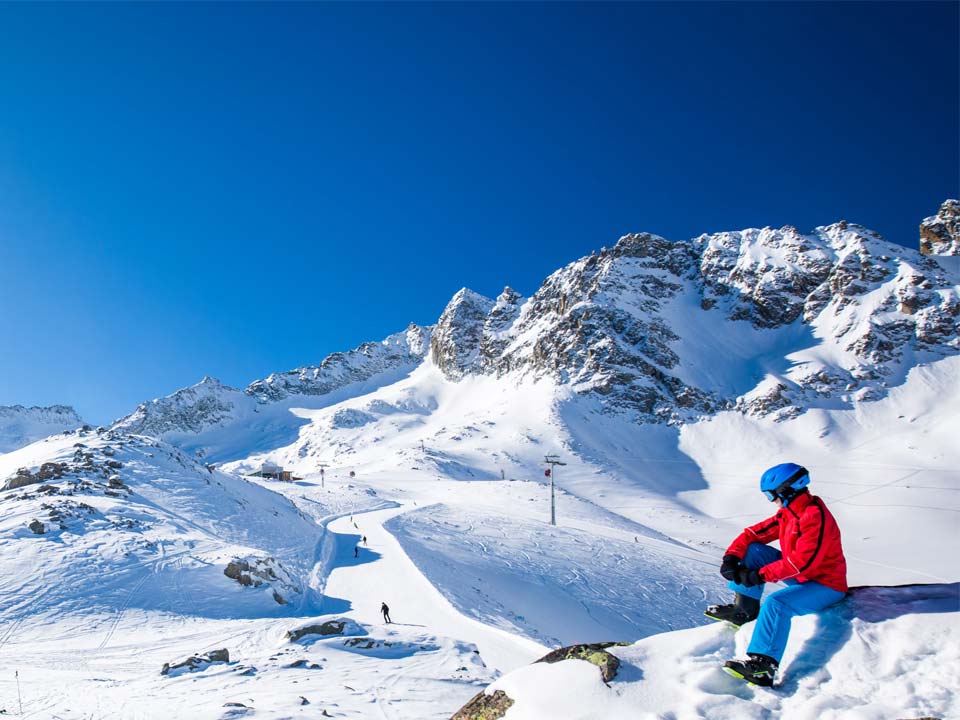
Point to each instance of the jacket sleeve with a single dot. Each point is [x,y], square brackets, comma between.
[808,553]
[763,532]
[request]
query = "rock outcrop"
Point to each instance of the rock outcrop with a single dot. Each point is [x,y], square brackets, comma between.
[940,233]
[196,662]
[593,653]
[263,571]
[336,626]
[483,706]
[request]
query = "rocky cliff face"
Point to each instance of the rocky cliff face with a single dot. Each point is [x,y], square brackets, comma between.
[940,233]
[20,426]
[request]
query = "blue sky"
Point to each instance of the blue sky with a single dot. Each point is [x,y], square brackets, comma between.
[237,189]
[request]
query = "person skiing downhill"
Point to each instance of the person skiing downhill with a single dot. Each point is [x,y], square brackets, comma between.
[386,612]
[810,562]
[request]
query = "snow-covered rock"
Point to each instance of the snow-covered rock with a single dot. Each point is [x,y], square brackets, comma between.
[940,233]
[21,425]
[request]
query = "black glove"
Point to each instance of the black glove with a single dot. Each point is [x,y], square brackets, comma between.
[748,577]
[729,567]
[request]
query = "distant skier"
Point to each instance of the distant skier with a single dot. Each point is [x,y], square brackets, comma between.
[810,562]
[386,612]
[356,551]
[364,539]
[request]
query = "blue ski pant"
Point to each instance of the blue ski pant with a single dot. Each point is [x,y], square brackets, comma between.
[773,624]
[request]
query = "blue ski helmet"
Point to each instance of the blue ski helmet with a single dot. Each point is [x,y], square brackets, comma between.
[784,481]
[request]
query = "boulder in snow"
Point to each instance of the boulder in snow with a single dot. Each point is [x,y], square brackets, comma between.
[47,471]
[258,571]
[484,707]
[337,626]
[196,662]
[595,653]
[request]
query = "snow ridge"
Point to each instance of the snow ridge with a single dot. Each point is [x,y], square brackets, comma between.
[20,426]
[211,405]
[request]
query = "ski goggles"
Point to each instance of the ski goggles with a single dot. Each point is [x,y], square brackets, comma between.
[785,490]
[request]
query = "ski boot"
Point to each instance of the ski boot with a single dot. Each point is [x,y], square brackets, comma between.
[742,610]
[756,669]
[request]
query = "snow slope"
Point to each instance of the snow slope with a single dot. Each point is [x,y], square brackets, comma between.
[132,523]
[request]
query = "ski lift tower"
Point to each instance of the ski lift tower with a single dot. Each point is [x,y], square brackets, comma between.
[322,468]
[552,461]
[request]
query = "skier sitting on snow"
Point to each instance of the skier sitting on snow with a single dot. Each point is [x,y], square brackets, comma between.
[810,562]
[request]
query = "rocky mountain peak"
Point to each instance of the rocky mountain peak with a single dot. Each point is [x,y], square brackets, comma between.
[455,343]
[940,233]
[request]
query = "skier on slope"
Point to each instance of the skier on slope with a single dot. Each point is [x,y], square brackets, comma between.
[386,612]
[810,562]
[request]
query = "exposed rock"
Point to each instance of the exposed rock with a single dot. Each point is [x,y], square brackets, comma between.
[330,627]
[455,343]
[196,662]
[485,707]
[37,527]
[595,653]
[47,471]
[940,233]
[259,571]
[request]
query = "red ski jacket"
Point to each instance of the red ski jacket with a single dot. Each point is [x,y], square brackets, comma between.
[809,540]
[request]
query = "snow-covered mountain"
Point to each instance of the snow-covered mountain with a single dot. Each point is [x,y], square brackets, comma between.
[769,321]
[224,422]
[766,321]
[20,426]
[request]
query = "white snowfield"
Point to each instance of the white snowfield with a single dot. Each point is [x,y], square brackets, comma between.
[450,494]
